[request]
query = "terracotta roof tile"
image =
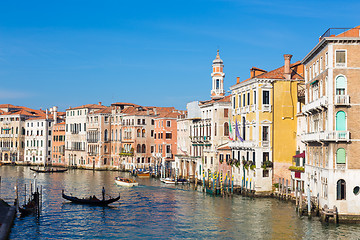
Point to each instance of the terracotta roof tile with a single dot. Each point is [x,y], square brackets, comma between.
[224,99]
[95,106]
[297,72]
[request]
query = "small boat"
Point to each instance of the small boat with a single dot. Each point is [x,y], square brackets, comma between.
[31,206]
[145,174]
[127,182]
[169,181]
[182,180]
[50,170]
[92,200]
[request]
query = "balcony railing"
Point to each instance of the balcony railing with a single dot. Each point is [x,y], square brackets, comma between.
[74,132]
[4,149]
[326,136]
[266,108]
[242,145]
[253,108]
[8,135]
[312,137]
[169,155]
[317,104]
[337,136]
[265,143]
[342,100]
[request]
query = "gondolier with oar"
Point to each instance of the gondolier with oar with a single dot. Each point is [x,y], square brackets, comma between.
[103,193]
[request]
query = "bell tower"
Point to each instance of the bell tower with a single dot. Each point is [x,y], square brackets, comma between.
[217,78]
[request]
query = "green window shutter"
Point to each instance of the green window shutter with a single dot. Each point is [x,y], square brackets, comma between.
[340,121]
[340,82]
[340,156]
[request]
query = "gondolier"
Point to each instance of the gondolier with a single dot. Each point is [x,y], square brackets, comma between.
[103,193]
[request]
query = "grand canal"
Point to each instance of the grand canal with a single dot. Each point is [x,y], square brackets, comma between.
[154,210]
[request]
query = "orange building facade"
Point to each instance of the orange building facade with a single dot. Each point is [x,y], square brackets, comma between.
[58,153]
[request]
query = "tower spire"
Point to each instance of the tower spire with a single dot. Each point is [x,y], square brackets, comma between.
[217,77]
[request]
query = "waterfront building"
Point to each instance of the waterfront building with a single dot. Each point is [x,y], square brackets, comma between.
[117,154]
[209,129]
[211,132]
[137,127]
[58,151]
[98,139]
[76,135]
[12,135]
[264,109]
[298,167]
[187,163]
[332,106]
[165,139]
[38,139]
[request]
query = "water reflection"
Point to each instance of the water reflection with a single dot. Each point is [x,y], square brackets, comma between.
[155,210]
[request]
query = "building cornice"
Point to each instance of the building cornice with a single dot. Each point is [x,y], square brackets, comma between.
[326,41]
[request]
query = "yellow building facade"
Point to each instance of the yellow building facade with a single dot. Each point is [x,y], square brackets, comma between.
[264,109]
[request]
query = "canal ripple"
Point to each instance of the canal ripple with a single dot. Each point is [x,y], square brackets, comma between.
[155,211]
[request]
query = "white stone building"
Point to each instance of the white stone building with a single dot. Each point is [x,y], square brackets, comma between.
[76,135]
[332,107]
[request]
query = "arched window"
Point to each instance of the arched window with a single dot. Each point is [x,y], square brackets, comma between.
[116,136]
[112,134]
[340,85]
[138,148]
[341,190]
[143,133]
[143,148]
[105,135]
[340,156]
[226,129]
[138,133]
[340,121]
[217,84]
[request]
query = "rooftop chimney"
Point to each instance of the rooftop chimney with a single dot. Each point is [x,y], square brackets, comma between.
[100,103]
[55,114]
[46,112]
[238,80]
[287,73]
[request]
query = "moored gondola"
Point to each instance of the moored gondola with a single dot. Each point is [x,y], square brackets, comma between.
[92,200]
[50,170]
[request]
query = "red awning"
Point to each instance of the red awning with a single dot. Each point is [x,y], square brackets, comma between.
[300,155]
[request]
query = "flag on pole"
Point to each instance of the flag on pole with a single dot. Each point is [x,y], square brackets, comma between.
[230,131]
[237,131]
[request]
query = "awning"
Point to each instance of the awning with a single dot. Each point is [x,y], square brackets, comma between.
[300,155]
[314,82]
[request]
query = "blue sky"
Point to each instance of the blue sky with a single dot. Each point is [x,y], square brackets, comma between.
[153,53]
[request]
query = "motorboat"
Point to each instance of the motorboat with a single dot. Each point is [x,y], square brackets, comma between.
[126,182]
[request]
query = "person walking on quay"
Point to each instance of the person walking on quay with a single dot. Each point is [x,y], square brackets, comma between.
[103,193]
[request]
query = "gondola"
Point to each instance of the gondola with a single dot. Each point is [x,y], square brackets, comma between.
[50,170]
[31,206]
[91,200]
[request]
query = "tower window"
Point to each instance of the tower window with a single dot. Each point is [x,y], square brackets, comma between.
[217,84]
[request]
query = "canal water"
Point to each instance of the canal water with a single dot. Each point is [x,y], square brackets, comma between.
[154,211]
